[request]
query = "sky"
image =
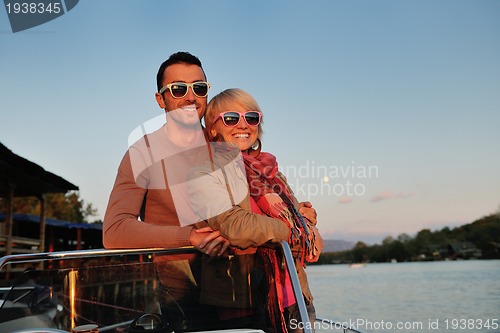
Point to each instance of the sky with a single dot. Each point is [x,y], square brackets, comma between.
[384,114]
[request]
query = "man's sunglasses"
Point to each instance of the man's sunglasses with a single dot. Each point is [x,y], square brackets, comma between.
[232,118]
[180,89]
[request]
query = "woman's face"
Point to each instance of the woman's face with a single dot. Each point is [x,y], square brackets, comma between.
[242,135]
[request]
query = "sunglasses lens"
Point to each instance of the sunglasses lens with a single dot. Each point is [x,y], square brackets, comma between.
[231,118]
[252,118]
[200,89]
[178,90]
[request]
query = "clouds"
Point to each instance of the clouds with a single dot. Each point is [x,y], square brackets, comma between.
[382,196]
[345,200]
[389,195]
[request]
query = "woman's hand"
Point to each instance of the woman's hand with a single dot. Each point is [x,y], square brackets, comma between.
[308,212]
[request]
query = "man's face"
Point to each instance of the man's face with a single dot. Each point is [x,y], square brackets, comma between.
[185,73]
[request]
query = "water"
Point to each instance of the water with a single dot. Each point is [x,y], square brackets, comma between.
[445,296]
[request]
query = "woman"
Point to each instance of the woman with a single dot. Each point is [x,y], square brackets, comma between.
[234,117]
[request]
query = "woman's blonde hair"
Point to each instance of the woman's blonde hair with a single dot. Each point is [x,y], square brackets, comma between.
[219,103]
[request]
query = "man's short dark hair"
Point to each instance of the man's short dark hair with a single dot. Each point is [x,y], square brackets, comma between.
[177,58]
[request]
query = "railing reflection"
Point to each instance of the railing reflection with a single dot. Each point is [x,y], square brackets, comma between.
[111,288]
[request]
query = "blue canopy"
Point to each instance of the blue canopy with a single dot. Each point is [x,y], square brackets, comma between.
[53,222]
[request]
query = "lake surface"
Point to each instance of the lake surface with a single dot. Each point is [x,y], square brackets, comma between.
[444,296]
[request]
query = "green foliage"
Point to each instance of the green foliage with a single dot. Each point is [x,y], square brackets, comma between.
[483,235]
[68,207]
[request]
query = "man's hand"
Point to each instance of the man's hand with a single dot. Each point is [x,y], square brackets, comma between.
[308,212]
[209,241]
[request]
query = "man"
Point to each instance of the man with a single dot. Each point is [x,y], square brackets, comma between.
[148,205]
[130,199]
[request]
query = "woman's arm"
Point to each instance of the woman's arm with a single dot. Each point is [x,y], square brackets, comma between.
[210,191]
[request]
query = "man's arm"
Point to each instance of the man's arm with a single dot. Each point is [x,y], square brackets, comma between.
[122,229]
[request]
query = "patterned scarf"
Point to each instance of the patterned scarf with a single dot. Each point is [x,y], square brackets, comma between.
[274,198]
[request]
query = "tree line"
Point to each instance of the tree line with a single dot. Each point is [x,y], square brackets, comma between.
[477,240]
[61,206]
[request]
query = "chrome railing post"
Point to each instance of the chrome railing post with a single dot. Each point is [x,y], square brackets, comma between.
[290,264]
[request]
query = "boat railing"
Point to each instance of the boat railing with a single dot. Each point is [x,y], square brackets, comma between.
[63,256]
[85,254]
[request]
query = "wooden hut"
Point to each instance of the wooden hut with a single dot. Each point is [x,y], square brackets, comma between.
[20,177]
